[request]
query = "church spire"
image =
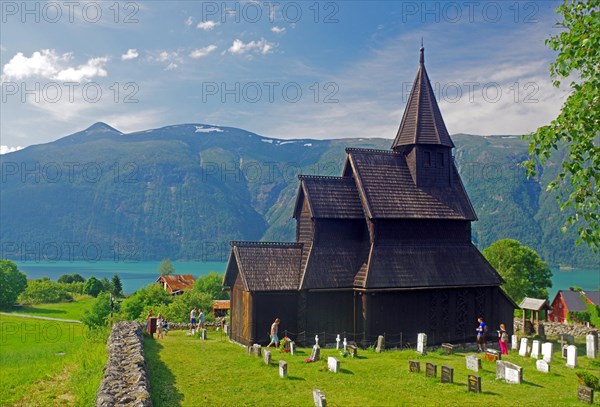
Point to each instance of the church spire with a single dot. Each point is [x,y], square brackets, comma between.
[422,122]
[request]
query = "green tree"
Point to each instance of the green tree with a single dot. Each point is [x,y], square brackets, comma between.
[12,283]
[179,309]
[43,291]
[212,284]
[577,127]
[93,286]
[70,279]
[524,273]
[151,297]
[117,287]
[98,314]
[166,267]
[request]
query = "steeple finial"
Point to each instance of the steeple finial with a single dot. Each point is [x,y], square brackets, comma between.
[422,53]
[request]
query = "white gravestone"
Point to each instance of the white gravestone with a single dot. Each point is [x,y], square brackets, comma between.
[319,398]
[514,345]
[542,366]
[380,343]
[203,334]
[267,357]
[509,372]
[523,347]
[316,353]
[473,363]
[345,345]
[590,346]
[535,349]
[283,369]
[571,356]
[421,343]
[333,364]
[337,342]
[547,351]
[292,347]
[316,340]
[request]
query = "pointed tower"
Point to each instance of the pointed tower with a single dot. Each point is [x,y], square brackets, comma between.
[423,137]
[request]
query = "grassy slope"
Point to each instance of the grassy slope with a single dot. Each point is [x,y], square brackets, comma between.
[186,371]
[63,310]
[49,362]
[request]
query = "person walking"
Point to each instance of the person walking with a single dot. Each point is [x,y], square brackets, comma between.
[503,340]
[273,334]
[200,319]
[192,320]
[481,331]
[159,326]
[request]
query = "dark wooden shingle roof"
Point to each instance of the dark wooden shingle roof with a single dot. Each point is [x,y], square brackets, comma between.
[265,266]
[388,191]
[398,265]
[330,197]
[422,122]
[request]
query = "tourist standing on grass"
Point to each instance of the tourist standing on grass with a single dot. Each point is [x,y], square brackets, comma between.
[159,326]
[149,324]
[201,318]
[273,334]
[481,330]
[193,320]
[503,340]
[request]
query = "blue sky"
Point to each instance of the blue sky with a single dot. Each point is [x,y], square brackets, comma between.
[286,69]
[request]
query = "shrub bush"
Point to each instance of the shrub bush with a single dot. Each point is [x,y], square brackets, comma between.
[44,290]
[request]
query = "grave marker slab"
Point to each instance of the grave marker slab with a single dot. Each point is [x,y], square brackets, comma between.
[414,366]
[542,366]
[333,364]
[585,394]
[283,370]
[226,329]
[535,349]
[448,348]
[523,347]
[447,374]
[430,369]
[421,343]
[569,339]
[473,363]
[380,344]
[319,398]
[337,342]
[345,345]
[514,344]
[353,350]
[292,347]
[257,350]
[547,351]
[203,334]
[572,356]
[564,351]
[474,383]
[509,372]
[591,344]
[267,357]
[316,353]
[492,355]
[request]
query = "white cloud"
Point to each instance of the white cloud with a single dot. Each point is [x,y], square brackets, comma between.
[239,47]
[171,66]
[278,30]
[6,149]
[131,53]
[202,52]
[48,64]
[207,25]
[172,59]
[189,21]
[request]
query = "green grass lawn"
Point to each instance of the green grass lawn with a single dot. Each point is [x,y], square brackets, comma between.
[187,371]
[48,363]
[63,310]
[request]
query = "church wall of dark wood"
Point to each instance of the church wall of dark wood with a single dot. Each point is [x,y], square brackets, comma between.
[409,229]
[304,225]
[340,229]
[433,165]
[242,326]
[271,305]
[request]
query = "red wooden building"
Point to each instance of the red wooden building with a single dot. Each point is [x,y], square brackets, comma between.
[176,283]
[571,301]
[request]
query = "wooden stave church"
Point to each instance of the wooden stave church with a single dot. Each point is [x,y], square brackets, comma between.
[383,249]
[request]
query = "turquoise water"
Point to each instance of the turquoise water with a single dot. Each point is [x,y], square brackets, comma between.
[136,275]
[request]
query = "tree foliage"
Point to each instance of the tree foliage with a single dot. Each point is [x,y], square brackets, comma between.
[12,283]
[93,286]
[71,278]
[151,297]
[98,314]
[212,284]
[117,287]
[577,127]
[43,291]
[166,267]
[524,273]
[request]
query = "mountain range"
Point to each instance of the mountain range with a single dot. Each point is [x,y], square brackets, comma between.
[184,191]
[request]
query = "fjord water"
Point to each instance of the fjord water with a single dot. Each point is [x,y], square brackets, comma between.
[135,275]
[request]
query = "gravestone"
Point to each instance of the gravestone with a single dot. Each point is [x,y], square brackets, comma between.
[547,351]
[509,372]
[316,340]
[292,347]
[333,364]
[345,345]
[473,363]
[523,347]
[474,383]
[203,334]
[492,355]
[283,369]
[572,356]
[591,344]
[267,357]
[535,349]
[257,350]
[226,329]
[353,350]
[319,398]
[542,366]
[337,342]
[568,339]
[430,369]
[447,374]
[316,353]
[380,344]
[421,343]
[585,394]
[414,366]
[514,344]
[448,348]
[564,351]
